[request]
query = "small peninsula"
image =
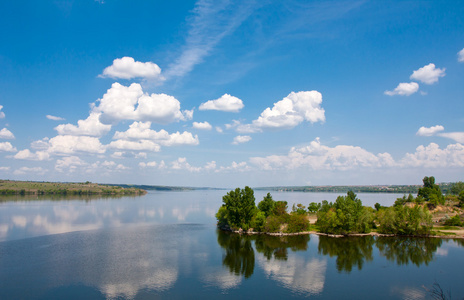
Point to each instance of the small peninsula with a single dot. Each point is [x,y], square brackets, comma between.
[11,187]
[430,213]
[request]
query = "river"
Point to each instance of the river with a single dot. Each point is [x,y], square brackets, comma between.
[165,245]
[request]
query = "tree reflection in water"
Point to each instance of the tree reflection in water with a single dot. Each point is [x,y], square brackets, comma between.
[405,250]
[277,247]
[350,251]
[240,256]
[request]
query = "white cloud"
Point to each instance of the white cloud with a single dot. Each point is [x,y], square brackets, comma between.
[69,144]
[6,134]
[461,56]
[211,22]
[432,156]
[4,168]
[202,125]
[404,89]
[319,157]
[150,164]
[240,139]
[128,68]
[2,114]
[7,147]
[210,165]
[131,103]
[429,131]
[142,131]
[428,74]
[289,112]
[141,145]
[226,103]
[54,118]
[69,164]
[182,164]
[235,167]
[90,126]
[219,129]
[27,170]
[28,155]
[457,136]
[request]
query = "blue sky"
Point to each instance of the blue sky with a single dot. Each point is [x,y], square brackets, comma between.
[232,93]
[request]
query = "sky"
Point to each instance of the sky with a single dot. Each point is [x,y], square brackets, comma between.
[232,93]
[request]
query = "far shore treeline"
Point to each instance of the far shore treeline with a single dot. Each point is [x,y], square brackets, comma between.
[10,187]
[408,216]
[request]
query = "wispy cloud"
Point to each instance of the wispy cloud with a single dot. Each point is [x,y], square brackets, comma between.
[210,23]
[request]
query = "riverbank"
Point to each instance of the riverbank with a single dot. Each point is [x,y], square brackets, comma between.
[12,187]
[448,234]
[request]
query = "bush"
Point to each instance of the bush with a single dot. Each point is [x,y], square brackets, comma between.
[273,224]
[297,223]
[454,221]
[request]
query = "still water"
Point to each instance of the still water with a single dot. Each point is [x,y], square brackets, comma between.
[165,245]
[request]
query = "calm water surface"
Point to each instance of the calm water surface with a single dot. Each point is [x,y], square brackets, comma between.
[165,245]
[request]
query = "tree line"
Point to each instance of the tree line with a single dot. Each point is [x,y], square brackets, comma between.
[346,215]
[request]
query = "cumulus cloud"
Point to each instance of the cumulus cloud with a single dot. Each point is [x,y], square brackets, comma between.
[69,144]
[429,131]
[131,103]
[142,131]
[150,164]
[240,139]
[27,170]
[319,157]
[461,56]
[127,68]
[226,103]
[428,74]
[202,125]
[142,145]
[235,167]
[182,164]
[288,113]
[404,89]
[2,114]
[436,131]
[6,134]
[90,126]
[432,156]
[7,147]
[54,118]
[26,154]
[69,164]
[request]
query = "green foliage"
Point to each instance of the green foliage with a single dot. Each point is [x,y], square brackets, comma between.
[298,209]
[258,221]
[267,205]
[431,192]
[280,208]
[221,216]
[404,220]
[297,223]
[402,201]
[273,224]
[461,198]
[240,206]
[457,187]
[377,206]
[454,221]
[346,215]
[313,207]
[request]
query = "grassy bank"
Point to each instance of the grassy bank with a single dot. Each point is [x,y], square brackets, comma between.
[10,187]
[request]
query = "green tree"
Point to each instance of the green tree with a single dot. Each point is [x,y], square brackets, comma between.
[240,206]
[313,207]
[267,205]
[431,192]
[457,187]
[461,198]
